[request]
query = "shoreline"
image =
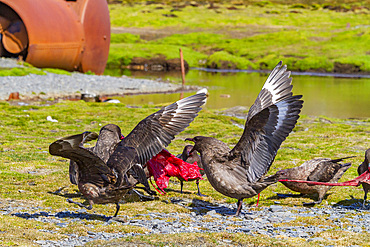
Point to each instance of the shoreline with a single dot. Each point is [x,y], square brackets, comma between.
[59,86]
[301,73]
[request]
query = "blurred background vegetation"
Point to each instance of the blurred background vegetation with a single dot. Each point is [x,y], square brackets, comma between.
[320,36]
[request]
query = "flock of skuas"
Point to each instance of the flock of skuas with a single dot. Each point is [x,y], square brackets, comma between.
[116,164]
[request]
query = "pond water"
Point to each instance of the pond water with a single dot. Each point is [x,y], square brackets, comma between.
[323,96]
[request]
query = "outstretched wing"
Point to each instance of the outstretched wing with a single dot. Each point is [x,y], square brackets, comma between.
[276,88]
[79,140]
[156,131]
[91,168]
[270,120]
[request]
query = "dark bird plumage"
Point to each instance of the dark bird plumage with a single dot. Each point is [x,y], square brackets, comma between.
[320,170]
[239,172]
[106,182]
[363,168]
[109,136]
[191,156]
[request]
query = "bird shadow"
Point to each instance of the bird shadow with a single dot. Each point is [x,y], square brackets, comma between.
[59,192]
[313,197]
[352,203]
[67,195]
[178,191]
[63,215]
[201,207]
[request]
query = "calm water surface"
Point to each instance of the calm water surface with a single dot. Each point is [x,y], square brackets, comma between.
[326,96]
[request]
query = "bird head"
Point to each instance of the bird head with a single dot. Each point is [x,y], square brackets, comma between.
[188,149]
[283,174]
[200,143]
[367,158]
[111,131]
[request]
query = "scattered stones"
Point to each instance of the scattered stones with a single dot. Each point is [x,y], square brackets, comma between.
[205,217]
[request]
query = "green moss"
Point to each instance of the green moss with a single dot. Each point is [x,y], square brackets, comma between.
[21,72]
[194,39]
[298,6]
[225,60]
[314,63]
[315,6]
[253,33]
[57,71]
[360,61]
[124,38]
[262,3]
[122,54]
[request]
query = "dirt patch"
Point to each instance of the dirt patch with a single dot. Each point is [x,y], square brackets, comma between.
[222,64]
[150,33]
[156,64]
[346,68]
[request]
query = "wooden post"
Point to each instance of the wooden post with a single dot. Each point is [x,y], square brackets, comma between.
[182,68]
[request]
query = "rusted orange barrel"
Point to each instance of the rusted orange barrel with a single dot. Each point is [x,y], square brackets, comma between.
[66,34]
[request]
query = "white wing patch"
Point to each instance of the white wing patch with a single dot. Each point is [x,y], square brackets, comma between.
[283,110]
[274,81]
[185,106]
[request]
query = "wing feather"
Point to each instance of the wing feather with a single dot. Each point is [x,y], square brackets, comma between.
[264,134]
[276,88]
[270,120]
[156,131]
[89,164]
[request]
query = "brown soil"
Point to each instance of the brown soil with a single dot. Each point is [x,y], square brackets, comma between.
[156,64]
[346,68]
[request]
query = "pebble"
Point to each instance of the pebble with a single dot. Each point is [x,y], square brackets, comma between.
[205,218]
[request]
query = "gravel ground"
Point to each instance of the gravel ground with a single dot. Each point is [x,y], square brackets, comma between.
[205,217]
[55,85]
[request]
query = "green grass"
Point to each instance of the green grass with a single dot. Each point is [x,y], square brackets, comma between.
[122,54]
[28,172]
[306,37]
[22,71]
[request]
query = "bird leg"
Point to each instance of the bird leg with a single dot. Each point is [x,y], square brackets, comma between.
[258,199]
[80,204]
[143,197]
[239,207]
[199,194]
[365,197]
[181,184]
[118,207]
[320,197]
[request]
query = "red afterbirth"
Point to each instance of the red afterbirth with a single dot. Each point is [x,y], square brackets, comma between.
[165,165]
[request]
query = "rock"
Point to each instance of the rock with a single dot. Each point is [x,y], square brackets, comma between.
[275,208]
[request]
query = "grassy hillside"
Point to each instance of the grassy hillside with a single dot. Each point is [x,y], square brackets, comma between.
[330,36]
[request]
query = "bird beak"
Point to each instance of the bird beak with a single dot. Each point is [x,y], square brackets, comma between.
[190,139]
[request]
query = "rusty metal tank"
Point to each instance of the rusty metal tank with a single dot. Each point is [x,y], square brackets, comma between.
[66,34]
